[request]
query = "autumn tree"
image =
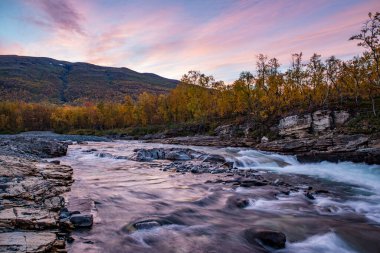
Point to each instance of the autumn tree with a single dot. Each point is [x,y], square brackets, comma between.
[369,38]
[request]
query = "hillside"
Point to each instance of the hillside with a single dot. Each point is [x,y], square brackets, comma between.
[37,79]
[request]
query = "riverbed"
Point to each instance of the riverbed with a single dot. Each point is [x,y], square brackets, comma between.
[119,192]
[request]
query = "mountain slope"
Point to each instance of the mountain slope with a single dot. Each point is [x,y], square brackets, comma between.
[36,79]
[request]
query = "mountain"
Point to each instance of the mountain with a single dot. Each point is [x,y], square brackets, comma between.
[37,79]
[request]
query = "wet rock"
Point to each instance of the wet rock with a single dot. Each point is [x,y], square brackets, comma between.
[70,239]
[272,239]
[104,155]
[309,195]
[90,150]
[64,213]
[177,156]
[146,224]
[194,170]
[322,191]
[252,182]
[238,202]
[214,158]
[82,220]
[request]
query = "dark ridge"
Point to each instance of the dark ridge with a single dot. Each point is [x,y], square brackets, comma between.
[41,79]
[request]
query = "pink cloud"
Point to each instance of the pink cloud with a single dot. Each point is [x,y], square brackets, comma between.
[169,41]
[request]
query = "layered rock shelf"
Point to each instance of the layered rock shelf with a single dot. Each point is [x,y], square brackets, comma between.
[31,195]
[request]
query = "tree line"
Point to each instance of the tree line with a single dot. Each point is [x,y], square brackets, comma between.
[268,93]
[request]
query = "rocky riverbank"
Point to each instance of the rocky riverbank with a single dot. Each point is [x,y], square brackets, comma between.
[32,213]
[312,137]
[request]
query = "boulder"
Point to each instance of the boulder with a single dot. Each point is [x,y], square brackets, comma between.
[146,224]
[214,158]
[272,239]
[295,126]
[238,202]
[82,220]
[177,156]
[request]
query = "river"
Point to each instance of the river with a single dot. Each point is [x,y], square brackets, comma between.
[119,191]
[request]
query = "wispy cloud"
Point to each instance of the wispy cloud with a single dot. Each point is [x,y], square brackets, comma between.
[61,14]
[171,37]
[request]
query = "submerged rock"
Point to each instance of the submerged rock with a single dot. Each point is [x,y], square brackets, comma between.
[238,202]
[82,220]
[272,239]
[146,224]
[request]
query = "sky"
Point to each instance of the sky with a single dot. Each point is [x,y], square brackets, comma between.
[170,37]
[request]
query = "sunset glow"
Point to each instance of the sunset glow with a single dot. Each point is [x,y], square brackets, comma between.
[171,37]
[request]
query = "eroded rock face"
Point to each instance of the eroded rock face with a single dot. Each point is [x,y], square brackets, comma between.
[318,122]
[321,121]
[295,126]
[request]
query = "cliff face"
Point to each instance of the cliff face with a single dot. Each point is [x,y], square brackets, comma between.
[318,122]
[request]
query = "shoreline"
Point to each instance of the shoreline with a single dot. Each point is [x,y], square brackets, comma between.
[333,148]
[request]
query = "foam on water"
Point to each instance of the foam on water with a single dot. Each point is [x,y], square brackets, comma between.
[364,178]
[326,243]
[346,172]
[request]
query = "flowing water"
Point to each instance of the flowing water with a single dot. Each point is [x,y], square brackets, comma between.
[119,191]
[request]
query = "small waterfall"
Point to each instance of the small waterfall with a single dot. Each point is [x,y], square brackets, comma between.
[256,159]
